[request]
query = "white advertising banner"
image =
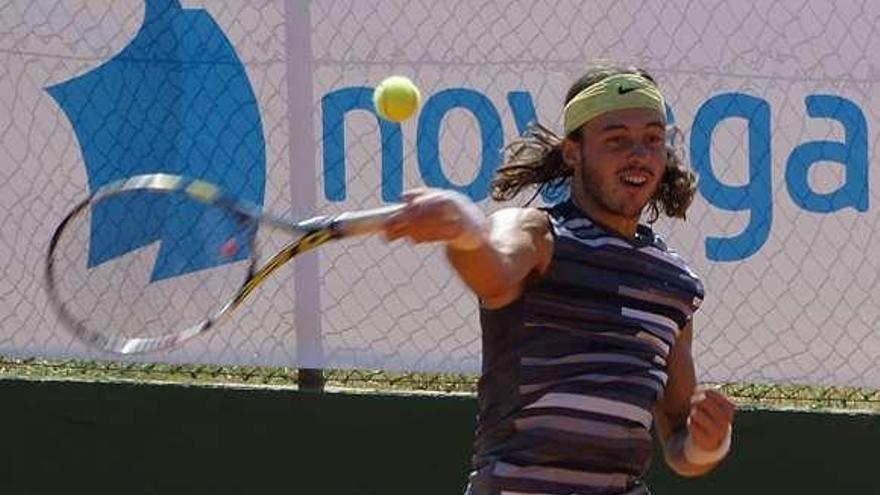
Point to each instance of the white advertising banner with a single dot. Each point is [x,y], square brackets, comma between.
[777,103]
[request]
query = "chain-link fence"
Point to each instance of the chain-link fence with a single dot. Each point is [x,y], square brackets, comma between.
[793,301]
[384,382]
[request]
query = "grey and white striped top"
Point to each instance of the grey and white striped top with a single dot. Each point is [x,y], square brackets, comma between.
[572,369]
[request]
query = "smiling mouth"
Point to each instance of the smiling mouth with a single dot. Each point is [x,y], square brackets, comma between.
[633,178]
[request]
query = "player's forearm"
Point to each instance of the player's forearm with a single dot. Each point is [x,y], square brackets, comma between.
[513,244]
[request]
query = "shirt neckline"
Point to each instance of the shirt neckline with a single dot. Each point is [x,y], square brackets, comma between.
[644,234]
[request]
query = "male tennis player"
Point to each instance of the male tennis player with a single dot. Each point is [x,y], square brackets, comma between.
[586,314]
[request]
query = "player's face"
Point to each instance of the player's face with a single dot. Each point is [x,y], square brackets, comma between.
[622,156]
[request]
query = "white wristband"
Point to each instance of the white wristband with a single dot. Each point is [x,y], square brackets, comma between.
[700,457]
[472,221]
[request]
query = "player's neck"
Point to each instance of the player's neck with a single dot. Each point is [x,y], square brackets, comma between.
[621,225]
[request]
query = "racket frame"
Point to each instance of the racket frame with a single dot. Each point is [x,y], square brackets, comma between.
[314,232]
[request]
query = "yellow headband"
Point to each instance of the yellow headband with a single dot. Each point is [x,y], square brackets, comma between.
[615,92]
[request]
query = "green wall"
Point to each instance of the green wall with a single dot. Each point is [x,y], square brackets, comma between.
[74,437]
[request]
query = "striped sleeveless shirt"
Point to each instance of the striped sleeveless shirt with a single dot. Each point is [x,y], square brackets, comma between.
[573,368]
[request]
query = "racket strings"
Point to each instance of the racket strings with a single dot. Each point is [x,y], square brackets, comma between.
[174,271]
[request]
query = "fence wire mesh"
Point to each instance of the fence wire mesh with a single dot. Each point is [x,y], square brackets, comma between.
[803,309]
[384,382]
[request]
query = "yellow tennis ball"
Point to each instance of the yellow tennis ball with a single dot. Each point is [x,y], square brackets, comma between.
[396,98]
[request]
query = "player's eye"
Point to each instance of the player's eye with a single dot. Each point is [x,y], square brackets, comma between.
[618,142]
[654,140]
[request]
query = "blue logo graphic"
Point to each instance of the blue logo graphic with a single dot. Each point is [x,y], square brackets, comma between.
[175,100]
[755,198]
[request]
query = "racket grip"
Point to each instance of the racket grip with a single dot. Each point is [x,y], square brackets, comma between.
[364,222]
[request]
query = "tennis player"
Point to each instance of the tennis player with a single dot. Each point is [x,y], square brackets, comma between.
[586,313]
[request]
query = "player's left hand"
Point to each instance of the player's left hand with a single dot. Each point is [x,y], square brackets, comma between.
[710,418]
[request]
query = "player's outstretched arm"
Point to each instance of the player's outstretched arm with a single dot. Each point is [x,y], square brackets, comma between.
[694,425]
[493,256]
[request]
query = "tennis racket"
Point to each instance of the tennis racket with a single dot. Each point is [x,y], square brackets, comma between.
[151,261]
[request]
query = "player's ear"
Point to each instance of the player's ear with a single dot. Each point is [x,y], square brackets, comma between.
[571,152]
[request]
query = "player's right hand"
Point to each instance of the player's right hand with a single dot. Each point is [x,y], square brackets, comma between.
[439,215]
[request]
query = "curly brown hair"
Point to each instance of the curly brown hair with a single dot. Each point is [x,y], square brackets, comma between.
[535,158]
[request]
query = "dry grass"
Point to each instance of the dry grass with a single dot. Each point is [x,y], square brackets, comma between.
[747,394]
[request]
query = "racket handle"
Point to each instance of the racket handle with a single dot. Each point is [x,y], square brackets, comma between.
[364,222]
[350,223]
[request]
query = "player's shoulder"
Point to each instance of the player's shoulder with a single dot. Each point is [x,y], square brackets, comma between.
[663,252]
[526,218]
[656,242]
[531,226]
